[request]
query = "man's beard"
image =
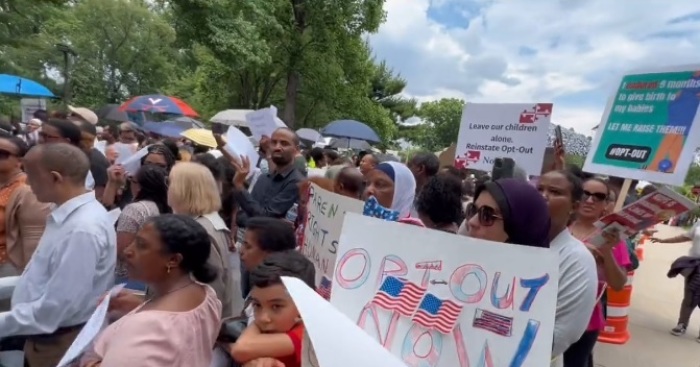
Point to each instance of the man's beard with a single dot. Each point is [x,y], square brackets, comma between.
[280,160]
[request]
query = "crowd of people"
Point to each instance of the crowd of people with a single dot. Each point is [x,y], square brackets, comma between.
[576,143]
[203,239]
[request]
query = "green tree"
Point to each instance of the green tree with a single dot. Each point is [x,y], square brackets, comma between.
[441,121]
[128,53]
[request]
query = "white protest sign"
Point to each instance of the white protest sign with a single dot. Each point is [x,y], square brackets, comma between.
[336,340]
[237,144]
[325,211]
[503,130]
[132,163]
[31,105]
[91,329]
[442,300]
[262,122]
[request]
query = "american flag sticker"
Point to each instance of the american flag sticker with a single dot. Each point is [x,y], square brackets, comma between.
[399,295]
[437,314]
[324,289]
[493,322]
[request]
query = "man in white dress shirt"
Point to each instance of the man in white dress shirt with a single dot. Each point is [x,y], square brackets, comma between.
[73,264]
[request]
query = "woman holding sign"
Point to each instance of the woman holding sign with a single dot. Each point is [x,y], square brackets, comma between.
[612,259]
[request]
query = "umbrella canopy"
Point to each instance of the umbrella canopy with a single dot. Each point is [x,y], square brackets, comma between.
[22,87]
[353,144]
[112,112]
[187,122]
[200,136]
[157,103]
[237,118]
[309,136]
[168,129]
[350,129]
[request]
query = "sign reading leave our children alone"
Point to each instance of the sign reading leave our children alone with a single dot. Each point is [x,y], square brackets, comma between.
[441,300]
[503,130]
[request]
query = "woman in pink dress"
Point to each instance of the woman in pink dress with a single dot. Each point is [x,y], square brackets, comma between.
[178,326]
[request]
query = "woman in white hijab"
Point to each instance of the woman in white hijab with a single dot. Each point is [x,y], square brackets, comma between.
[393,186]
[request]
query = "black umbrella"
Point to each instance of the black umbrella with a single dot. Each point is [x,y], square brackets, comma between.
[111,112]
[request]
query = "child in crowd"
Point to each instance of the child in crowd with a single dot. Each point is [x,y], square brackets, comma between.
[275,338]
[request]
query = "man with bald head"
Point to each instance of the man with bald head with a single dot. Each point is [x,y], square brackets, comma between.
[73,264]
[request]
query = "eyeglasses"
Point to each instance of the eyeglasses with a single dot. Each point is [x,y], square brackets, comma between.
[595,196]
[485,214]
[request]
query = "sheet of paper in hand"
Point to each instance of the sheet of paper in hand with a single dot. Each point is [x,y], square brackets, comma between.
[654,208]
[336,340]
[436,299]
[92,328]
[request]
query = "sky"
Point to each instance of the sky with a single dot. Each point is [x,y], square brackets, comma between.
[569,52]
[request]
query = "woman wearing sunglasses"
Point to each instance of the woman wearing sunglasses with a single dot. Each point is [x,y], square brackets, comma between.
[511,211]
[612,260]
[578,279]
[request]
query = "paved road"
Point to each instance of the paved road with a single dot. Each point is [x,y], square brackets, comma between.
[654,311]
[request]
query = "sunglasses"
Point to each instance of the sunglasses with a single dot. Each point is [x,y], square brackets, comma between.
[595,196]
[486,215]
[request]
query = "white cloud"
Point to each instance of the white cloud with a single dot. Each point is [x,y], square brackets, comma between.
[571,52]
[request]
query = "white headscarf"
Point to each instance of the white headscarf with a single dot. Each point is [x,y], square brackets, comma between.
[404,188]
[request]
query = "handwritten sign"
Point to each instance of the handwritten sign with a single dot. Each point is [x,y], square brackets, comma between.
[324,220]
[442,300]
[92,328]
[654,208]
[503,130]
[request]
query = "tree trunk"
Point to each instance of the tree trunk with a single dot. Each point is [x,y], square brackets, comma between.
[290,100]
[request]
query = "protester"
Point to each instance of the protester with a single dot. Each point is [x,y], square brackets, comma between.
[439,203]
[688,303]
[349,182]
[150,189]
[74,262]
[423,165]
[193,191]
[98,162]
[393,185]
[178,326]
[368,162]
[612,259]
[265,236]
[278,330]
[511,211]
[22,217]
[275,192]
[59,131]
[31,135]
[578,278]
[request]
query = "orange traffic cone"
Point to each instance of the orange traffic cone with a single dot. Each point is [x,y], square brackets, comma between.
[640,247]
[616,325]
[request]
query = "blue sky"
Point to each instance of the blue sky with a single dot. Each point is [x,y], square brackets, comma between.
[570,52]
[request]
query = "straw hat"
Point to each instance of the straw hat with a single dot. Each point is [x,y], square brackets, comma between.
[202,137]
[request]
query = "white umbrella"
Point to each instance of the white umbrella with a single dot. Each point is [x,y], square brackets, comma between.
[237,118]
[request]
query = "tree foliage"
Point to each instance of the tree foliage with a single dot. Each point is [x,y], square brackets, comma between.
[309,58]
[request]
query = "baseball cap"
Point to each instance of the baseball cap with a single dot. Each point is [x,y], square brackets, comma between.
[85,113]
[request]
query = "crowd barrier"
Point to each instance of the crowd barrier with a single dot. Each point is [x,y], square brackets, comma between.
[616,324]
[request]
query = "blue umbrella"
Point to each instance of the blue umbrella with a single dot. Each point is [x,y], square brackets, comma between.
[168,129]
[350,129]
[22,87]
